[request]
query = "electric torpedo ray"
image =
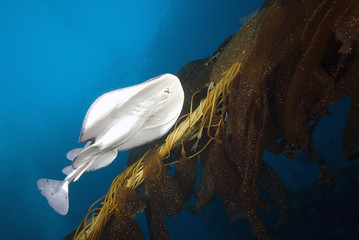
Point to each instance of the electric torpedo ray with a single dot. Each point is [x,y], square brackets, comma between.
[118,121]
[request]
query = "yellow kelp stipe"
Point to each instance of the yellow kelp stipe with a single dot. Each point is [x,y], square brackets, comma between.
[189,129]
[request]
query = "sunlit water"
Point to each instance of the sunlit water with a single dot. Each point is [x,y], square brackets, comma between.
[57,57]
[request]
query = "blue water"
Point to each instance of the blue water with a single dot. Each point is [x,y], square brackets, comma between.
[56,58]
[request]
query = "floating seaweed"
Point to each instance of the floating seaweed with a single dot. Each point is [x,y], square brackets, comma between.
[278,74]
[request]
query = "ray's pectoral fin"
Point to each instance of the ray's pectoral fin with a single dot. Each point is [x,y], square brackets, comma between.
[56,193]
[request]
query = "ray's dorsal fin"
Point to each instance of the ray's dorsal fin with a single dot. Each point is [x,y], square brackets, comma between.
[72,154]
[67,170]
[89,154]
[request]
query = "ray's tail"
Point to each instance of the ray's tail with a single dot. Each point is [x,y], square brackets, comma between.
[56,193]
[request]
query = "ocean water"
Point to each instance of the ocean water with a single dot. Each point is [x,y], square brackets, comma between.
[56,58]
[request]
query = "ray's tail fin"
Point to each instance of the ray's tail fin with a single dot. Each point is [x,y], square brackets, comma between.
[56,193]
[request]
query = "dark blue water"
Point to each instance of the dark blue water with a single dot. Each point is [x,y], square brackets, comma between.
[56,58]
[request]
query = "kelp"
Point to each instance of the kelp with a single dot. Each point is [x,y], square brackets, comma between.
[274,80]
[160,187]
[185,176]
[151,170]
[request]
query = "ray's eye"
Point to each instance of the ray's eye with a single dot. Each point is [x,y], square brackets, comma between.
[165,94]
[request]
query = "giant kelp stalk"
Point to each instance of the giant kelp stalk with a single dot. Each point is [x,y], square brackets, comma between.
[297,59]
[192,127]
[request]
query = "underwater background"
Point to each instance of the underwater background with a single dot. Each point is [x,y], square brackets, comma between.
[56,58]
